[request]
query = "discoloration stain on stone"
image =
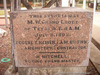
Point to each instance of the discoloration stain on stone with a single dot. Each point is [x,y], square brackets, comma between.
[13,15]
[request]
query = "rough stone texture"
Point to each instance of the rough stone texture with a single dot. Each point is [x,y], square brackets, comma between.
[69,28]
[91,70]
[53,71]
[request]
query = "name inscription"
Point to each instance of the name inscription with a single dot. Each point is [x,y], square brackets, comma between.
[50,39]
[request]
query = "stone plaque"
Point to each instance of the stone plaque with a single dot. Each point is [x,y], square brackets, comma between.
[56,37]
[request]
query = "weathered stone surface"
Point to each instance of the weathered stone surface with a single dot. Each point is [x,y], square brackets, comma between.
[53,71]
[55,37]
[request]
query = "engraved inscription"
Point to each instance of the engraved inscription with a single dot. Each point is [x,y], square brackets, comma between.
[51,39]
